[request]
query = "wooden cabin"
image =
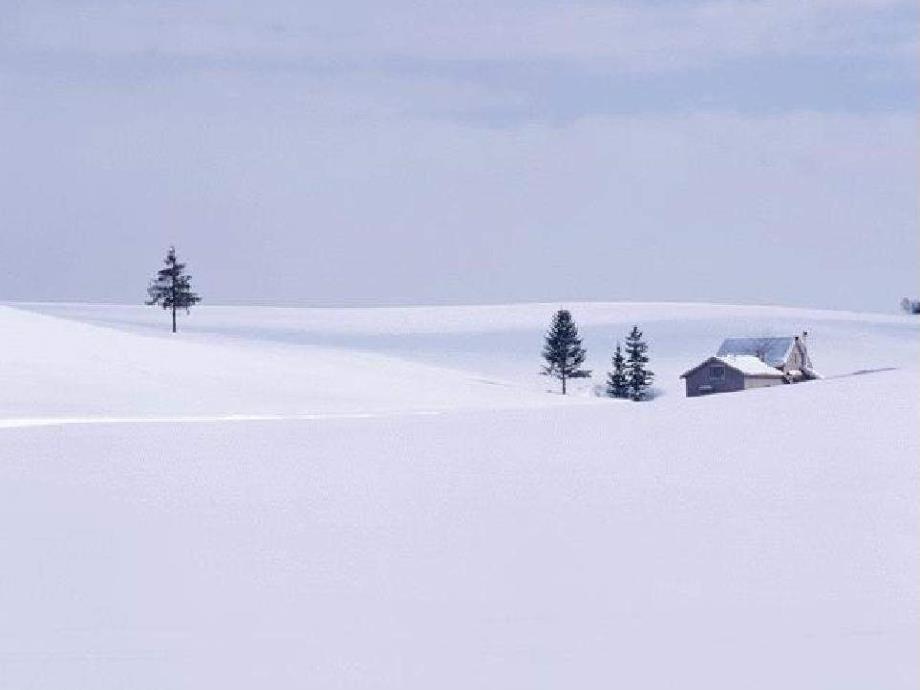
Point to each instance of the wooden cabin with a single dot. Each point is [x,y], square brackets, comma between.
[744,363]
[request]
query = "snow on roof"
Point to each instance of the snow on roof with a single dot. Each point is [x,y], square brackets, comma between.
[773,351]
[749,365]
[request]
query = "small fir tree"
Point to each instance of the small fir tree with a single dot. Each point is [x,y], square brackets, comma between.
[911,306]
[639,378]
[171,289]
[562,350]
[617,380]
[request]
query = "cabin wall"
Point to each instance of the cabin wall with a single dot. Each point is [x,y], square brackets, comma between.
[795,361]
[761,382]
[699,382]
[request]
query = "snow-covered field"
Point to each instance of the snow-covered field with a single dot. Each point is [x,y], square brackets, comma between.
[389,498]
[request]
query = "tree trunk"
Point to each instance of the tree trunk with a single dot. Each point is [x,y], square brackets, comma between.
[174,291]
[563,384]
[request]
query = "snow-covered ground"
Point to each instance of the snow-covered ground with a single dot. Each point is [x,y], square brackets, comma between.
[389,498]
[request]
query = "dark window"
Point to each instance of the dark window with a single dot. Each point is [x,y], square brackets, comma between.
[717,373]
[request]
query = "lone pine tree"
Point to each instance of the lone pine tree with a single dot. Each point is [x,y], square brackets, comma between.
[617,380]
[172,289]
[562,350]
[638,377]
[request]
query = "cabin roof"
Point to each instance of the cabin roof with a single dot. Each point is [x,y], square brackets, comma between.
[771,350]
[749,365]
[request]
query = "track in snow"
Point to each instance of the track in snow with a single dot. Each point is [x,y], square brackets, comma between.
[14,423]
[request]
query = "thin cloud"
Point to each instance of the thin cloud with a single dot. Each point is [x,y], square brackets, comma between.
[628,36]
[297,146]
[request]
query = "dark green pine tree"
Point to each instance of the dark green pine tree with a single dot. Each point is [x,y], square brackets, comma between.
[562,350]
[172,288]
[638,377]
[617,381]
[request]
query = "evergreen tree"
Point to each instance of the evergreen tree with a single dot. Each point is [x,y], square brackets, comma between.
[172,289]
[617,380]
[562,350]
[638,378]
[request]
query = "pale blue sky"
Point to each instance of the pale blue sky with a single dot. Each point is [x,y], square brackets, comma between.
[411,152]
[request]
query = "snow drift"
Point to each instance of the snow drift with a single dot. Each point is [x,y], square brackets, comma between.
[765,539]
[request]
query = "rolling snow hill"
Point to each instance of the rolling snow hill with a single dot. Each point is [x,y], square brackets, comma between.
[389,498]
[252,360]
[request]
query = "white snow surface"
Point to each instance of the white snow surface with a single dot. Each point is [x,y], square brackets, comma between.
[391,498]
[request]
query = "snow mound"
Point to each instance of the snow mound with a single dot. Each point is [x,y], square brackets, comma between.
[390,499]
[121,361]
[64,370]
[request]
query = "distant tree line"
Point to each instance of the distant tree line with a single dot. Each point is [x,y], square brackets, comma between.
[564,354]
